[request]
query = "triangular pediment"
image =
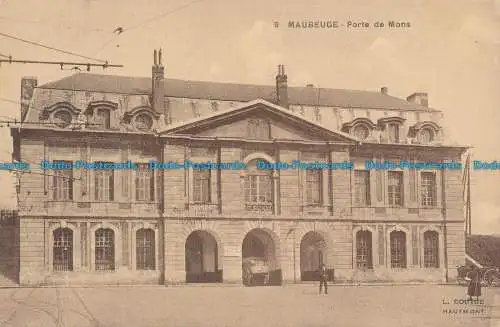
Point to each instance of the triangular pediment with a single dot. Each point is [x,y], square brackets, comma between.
[258,119]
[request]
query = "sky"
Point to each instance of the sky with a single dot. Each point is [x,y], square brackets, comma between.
[451,51]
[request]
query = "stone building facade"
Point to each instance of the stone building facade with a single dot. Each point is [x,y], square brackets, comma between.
[197,225]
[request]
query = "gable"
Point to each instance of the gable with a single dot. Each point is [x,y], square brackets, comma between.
[258,120]
[261,128]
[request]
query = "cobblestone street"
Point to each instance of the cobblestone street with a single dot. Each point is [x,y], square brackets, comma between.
[237,306]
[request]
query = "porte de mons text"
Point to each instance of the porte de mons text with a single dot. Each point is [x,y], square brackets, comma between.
[143,224]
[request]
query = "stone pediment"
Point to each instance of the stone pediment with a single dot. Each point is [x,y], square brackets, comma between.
[258,120]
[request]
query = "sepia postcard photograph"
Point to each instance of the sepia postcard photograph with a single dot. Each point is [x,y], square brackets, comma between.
[185,163]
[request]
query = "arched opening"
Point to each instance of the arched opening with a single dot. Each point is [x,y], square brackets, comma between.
[260,265]
[202,258]
[312,255]
[63,250]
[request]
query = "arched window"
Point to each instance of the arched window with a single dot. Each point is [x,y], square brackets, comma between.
[398,249]
[431,249]
[145,249]
[364,258]
[104,249]
[258,188]
[63,250]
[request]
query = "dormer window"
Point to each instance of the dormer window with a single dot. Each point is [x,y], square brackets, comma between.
[393,133]
[425,132]
[426,136]
[62,118]
[361,132]
[391,127]
[142,119]
[99,113]
[59,114]
[102,118]
[143,122]
[361,128]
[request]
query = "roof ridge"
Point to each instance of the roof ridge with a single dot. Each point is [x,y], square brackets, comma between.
[211,82]
[233,91]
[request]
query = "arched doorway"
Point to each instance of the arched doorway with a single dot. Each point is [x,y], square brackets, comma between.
[312,255]
[260,264]
[202,258]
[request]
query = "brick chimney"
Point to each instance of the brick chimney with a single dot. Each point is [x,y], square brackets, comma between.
[282,87]
[28,85]
[419,98]
[384,90]
[158,86]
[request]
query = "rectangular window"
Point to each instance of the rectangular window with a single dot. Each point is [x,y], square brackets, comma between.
[395,188]
[398,249]
[145,249]
[428,189]
[201,186]
[362,188]
[62,182]
[144,183]
[393,133]
[379,175]
[103,118]
[259,189]
[313,187]
[104,185]
[364,250]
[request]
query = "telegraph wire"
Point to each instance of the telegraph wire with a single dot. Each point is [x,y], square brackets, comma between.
[119,30]
[152,19]
[2,55]
[50,48]
[24,21]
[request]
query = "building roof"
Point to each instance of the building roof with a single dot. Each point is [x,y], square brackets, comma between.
[309,96]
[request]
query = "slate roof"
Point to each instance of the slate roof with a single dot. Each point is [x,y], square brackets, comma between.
[310,96]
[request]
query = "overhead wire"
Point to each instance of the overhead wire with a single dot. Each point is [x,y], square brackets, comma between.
[50,47]
[152,19]
[25,21]
[120,30]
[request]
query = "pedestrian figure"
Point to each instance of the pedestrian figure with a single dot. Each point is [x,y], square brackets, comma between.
[323,278]
[474,288]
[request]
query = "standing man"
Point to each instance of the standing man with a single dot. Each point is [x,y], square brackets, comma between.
[323,278]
